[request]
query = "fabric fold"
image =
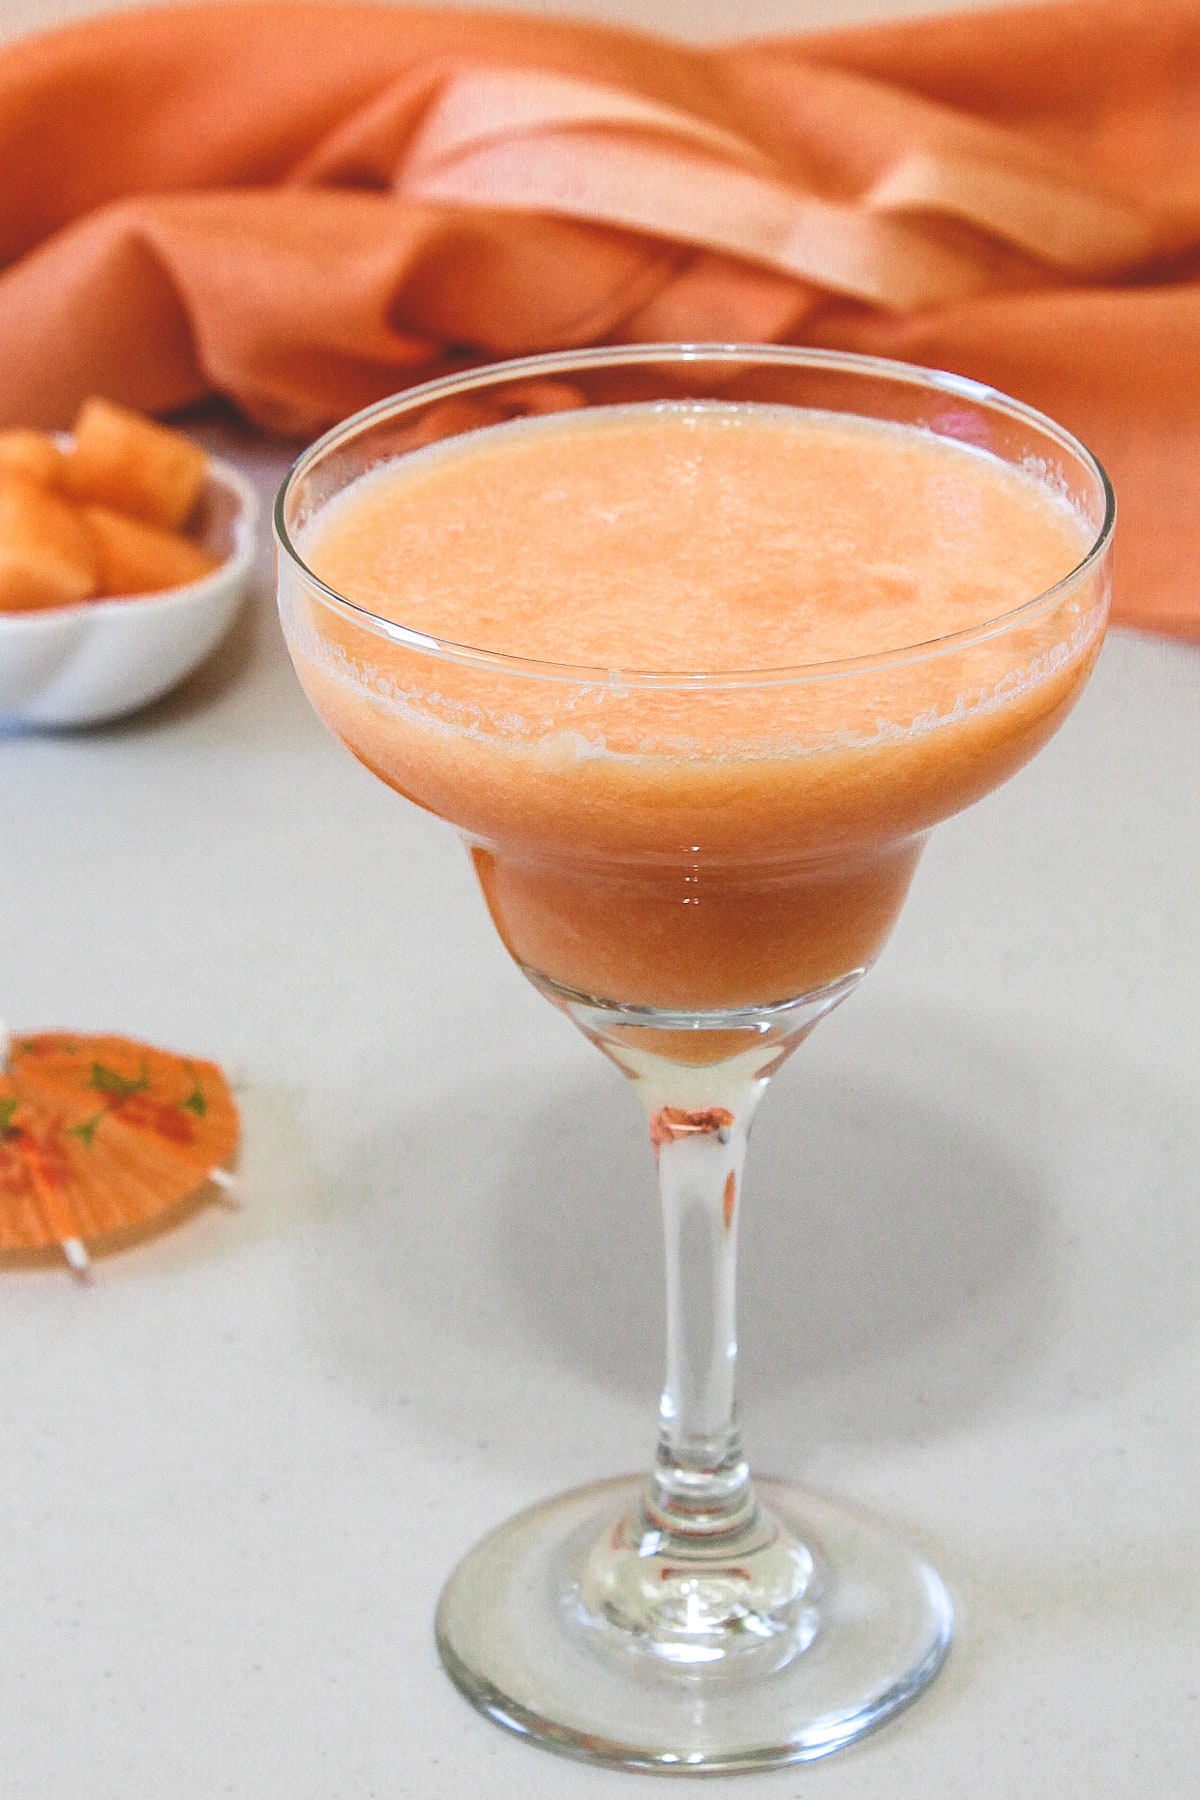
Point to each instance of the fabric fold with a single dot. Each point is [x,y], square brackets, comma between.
[305,206]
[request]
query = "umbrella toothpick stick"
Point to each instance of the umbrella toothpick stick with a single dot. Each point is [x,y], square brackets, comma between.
[230,1192]
[75,1251]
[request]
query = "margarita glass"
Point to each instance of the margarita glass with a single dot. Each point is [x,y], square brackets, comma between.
[694,839]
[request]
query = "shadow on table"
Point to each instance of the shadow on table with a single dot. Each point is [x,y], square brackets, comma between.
[893,1267]
[938,1227]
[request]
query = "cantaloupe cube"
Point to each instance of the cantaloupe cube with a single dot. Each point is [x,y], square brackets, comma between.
[33,455]
[132,465]
[46,554]
[135,558]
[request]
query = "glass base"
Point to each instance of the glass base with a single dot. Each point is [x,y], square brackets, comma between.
[518,1632]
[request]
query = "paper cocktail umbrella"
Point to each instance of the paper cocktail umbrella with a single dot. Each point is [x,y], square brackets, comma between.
[101,1134]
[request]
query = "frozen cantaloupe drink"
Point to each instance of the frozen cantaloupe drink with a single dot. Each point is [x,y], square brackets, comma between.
[694,643]
[695,677]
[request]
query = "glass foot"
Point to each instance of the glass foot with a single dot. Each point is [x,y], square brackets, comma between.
[533,1626]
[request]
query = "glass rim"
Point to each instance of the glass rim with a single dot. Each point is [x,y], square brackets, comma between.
[495,374]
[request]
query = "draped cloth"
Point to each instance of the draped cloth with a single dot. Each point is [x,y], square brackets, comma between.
[304,207]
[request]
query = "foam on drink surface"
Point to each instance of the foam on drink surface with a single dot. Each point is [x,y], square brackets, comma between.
[695,537]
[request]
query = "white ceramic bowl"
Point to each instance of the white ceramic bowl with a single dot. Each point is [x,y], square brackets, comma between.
[81,665]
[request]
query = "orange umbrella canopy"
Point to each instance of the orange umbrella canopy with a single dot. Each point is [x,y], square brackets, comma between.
[100,1134]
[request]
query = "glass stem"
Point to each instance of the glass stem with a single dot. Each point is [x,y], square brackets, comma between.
[700,1486]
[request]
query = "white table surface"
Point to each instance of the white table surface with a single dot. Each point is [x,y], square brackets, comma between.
[236,1468]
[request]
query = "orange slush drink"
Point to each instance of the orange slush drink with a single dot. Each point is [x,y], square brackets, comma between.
[741,830]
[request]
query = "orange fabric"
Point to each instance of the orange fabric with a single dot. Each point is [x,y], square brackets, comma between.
[307,206]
